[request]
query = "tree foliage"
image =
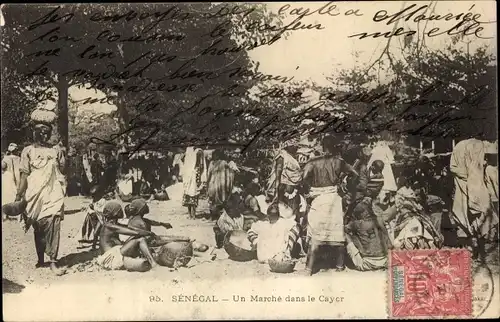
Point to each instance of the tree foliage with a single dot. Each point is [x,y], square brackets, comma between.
[160,64]
[16,108]
[430,93]
[180,74]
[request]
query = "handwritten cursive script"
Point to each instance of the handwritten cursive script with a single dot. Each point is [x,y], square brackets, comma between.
[181,75]
[466,24]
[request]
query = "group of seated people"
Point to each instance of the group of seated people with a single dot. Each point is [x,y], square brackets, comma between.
[271,231]
[375,221]
[273,228]
[101,193]
[136,253]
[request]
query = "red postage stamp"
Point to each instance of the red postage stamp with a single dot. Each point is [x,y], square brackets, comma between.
[430,283]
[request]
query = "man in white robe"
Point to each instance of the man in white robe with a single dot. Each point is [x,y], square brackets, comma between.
[471,201]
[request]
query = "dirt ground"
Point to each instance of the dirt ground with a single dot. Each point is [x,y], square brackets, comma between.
[19,255]
[19,258]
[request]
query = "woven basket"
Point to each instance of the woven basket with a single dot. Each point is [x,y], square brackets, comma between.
[175,254]
[238,246]
[15,208]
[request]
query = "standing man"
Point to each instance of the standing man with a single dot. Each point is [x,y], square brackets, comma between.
[357,187]
[490,223]
[322,175]
[74,173]
[110,174]
[471,201]
[97,169]
[13,160]
[87,177]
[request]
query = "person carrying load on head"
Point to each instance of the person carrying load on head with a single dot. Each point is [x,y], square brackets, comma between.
[43,186]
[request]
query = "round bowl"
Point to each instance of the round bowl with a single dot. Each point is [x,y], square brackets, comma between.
[15,208]
[238,247]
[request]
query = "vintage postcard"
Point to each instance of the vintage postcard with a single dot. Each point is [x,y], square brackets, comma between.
[250,160]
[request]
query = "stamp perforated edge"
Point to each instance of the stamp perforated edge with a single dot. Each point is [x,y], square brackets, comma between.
[423,317]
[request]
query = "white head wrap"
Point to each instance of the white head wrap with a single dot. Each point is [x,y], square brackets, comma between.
[12,147]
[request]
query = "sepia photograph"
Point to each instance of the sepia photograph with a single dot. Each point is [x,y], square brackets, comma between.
[249,160]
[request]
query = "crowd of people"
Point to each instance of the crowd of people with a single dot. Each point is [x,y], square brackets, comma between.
[354,209]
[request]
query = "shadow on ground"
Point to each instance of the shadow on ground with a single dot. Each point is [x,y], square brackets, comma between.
[78,258]
[11,287]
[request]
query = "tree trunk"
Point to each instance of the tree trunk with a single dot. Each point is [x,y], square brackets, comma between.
[62,112]
[123,117]
[62,109]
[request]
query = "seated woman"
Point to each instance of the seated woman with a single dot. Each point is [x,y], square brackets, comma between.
[366,235]
[251,207]
[367,239]
[413,229]
[127,189]
[274,236]
[230,219]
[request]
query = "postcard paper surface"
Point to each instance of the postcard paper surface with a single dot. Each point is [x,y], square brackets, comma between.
[195,161]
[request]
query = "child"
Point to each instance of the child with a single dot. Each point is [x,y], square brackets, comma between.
[91,226]
[273,236]
[376,179]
